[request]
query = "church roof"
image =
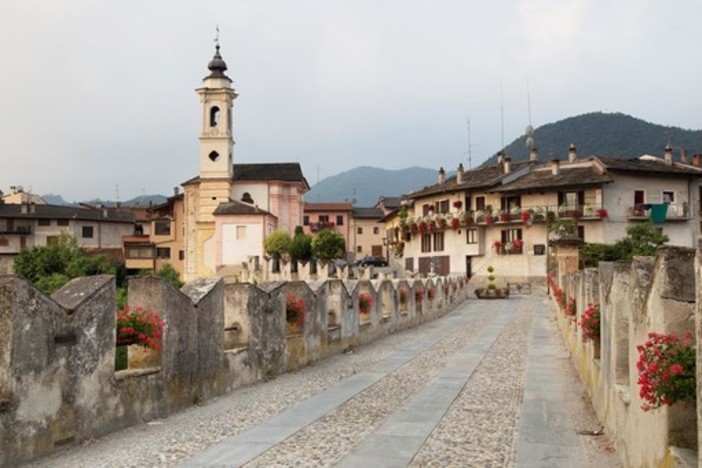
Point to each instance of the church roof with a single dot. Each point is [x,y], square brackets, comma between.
[239,208]
[289,172]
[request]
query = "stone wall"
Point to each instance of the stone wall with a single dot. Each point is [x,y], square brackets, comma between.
[635,298]
[58,385]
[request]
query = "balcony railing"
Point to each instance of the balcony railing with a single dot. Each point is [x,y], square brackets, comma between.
[318,226]
[658,212]
[18,230]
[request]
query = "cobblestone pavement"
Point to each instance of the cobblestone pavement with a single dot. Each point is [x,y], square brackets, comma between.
[447,393]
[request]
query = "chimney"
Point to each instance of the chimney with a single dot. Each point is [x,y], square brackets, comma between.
[442,175]
[555,166]
[507,164]
[683,155]
[459,174]
[533,154]
[697,159]
[104,212]
[176,190]
[572,153]
[500,157]
[668,154]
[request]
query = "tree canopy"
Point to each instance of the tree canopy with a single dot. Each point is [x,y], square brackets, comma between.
[328,245]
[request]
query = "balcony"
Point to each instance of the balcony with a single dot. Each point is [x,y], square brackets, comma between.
[535,214]
[17,231]
[318,226]
[658,213]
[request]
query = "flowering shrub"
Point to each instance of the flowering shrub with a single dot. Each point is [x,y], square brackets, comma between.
[571,307]
[404,296]
[418,296]
[139,326]
[591,323]
[666,370]
[295,310]
[365,302]
[455,223]
[558,293]
[430,293]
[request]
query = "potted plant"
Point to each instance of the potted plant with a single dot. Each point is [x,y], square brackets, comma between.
[441,222]
[455,223]
[295,310]
[498,246]
[666,368]
[458,204]
[432,225]
[517,245]
[139,326]
[602,213]
[504,216]
[491,291]
[422,226]
[365,302]
[525,215]
[468,217]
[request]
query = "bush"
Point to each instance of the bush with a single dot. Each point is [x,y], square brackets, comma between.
[365,302]
[328,245]
[666,368]
[295,310]
[591,323]
[277,243]
[301,248]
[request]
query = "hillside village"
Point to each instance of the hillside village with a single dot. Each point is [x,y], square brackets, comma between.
[408,258]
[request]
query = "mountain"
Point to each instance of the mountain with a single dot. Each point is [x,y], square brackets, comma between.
[605,134]
[366,184]
[144,200]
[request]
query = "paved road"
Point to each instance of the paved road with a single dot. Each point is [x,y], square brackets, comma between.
[487,385]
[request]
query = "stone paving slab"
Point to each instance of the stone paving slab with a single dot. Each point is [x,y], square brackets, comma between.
[391,443]
[547,432]
[243,447]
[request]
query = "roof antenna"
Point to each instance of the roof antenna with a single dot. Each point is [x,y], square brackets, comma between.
[529,131]
[470,156]
[502,116]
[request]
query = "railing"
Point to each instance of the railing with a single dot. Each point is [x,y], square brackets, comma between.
[19,230]
[316,227]
[662,212]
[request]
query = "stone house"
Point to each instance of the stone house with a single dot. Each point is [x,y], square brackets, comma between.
[27,225]
[501,215]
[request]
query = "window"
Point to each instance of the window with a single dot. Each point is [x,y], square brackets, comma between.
[639,198]
[214,116]
[240,232]
[306,220]
[581,232]
[508,235]
[509,202]
[181,255]
[44,222]
[246,198]
[479,203]
[668,197]
[62,222]
[426,209]
[572,200]
[140,251]
[471,236]
[4,241]
[52,240]
[426,242]
[213,156]
[162,228]
[438,241]
[539,249]
[359,230]
[138,230]
[468,204]
[323,218]
[339,220]
[87,232]
[359,249]
[163,252]
[376,230]
[444,206]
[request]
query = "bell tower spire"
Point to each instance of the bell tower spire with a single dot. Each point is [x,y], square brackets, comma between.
[216,141]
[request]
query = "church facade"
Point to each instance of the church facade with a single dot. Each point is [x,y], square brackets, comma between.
[231,208]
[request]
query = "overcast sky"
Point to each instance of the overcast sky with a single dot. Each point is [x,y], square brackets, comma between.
[95,94]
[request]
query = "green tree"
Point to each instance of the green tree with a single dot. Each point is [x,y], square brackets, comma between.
[641,239]
[301,248]
[328,244]
[277,243]
[170,274]
[52,266]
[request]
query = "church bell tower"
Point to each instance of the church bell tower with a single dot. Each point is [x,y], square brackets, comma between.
[216,142]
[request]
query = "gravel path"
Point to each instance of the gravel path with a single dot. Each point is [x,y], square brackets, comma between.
[480,427]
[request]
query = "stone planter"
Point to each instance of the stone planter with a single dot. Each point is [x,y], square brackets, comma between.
[497,293]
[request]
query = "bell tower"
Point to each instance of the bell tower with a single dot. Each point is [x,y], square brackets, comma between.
[216,142]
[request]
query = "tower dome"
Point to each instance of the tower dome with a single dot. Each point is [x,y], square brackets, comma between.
[217,66]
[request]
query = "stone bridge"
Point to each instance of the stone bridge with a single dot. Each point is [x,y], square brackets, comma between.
[488,384]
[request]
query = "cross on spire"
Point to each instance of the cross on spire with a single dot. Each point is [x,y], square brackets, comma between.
[217,36]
